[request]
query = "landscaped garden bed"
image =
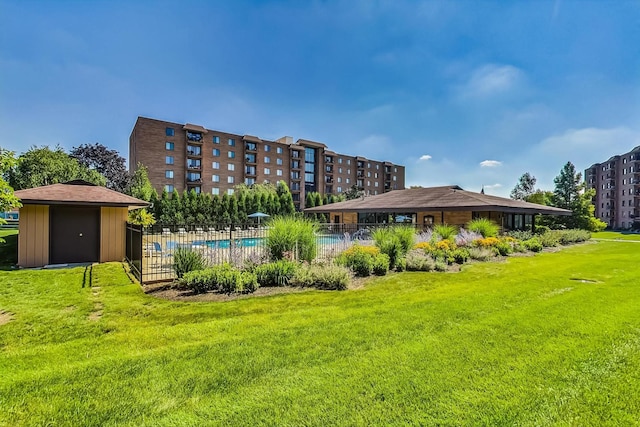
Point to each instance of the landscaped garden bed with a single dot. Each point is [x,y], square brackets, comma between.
[289,263]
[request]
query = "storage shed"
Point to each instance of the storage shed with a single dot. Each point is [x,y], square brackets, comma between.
[74,222]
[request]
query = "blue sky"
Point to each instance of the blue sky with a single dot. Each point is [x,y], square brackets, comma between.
[468,93]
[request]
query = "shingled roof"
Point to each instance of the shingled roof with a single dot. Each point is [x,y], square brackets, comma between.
[450,198]
[77,193]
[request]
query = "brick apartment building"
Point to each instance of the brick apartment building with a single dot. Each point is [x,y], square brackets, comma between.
[617,185]
[189,156]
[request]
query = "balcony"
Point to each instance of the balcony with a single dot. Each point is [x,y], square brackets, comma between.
[194,180]
[194,151]
[250,158]
[250,170]
[194,166]
[250,146]
[295,164]
[194,137]
[328,180]
[611,176]
[360,165]
[328,159]
[328,169]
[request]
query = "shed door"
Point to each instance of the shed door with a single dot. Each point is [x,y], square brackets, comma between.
[75,235]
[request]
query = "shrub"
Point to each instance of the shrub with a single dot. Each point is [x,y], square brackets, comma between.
[445,245]
[394,241]
[294,235]
[323,276]
[360,259]
[480,254]
[460,255]
[440,266]
[520,235]
[533,244]
[425,246]
[401,264]
[549,239]
[381,264]
[278,273]
[503,248]
[541,229]
[222,278]
[445,231]
[417,260]
[487,242]
[186,260]
[484,226]
[466,237]
[567,237]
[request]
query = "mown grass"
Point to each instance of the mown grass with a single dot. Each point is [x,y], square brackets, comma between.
[616,235]
[518,342]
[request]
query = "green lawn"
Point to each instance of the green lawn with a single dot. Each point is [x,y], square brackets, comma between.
[616,235]
[513,343]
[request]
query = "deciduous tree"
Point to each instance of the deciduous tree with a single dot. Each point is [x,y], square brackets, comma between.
[109,163]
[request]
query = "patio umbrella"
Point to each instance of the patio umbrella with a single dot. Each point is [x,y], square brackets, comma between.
[258,215]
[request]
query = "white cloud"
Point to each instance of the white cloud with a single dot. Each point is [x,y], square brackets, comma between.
[491,80]
[492,186]
[490,163]
[425,157]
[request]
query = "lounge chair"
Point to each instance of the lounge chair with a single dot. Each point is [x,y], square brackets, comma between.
[166,231]
[199,230]
[182,231]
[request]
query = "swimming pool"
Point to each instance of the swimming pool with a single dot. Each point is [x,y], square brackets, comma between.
[249,242]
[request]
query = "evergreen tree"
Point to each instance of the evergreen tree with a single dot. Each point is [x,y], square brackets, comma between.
[176,206]
[216,209]
[287,207]
[225,217]
[525,187]
[233,210]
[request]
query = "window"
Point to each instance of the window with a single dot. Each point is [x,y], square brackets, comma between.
[230,180]
[368,174]
[169,188]
[267,160]
[377,167]
[216,152]
[348,161]
[250,170]
[232,142]
[347,180]
[231,154]
[279,172]
[395,169]
[231,167]
[250,158]
[194,136]
[295,175]
[267,148]
[168,146]
[278,161]
[368,165]
[349,171]
[395,178]
[215,165]
[169,132]
[375,175]
[193,150]
[168,174]
[339,189]
[375,184]
[168,160]
[279,150]
[339,170]
[251,146]
[216,140]
[267,171]
[230,191]
[249,181]
[215,191]
[215,178]
[340,160]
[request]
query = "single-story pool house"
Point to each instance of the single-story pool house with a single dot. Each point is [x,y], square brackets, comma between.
[75,222]
[436,205]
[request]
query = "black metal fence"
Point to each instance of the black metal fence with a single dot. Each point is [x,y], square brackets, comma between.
[133,251]
[150,251]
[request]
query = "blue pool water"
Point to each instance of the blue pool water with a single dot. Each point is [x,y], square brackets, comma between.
[248,242]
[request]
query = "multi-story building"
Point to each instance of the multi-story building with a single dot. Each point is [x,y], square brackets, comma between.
[184,157]
[617,185]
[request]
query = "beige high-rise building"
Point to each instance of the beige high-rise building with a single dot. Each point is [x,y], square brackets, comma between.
[617,185]
[187,156]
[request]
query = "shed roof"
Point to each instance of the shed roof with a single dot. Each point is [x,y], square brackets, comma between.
[79,193]
[449,198]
